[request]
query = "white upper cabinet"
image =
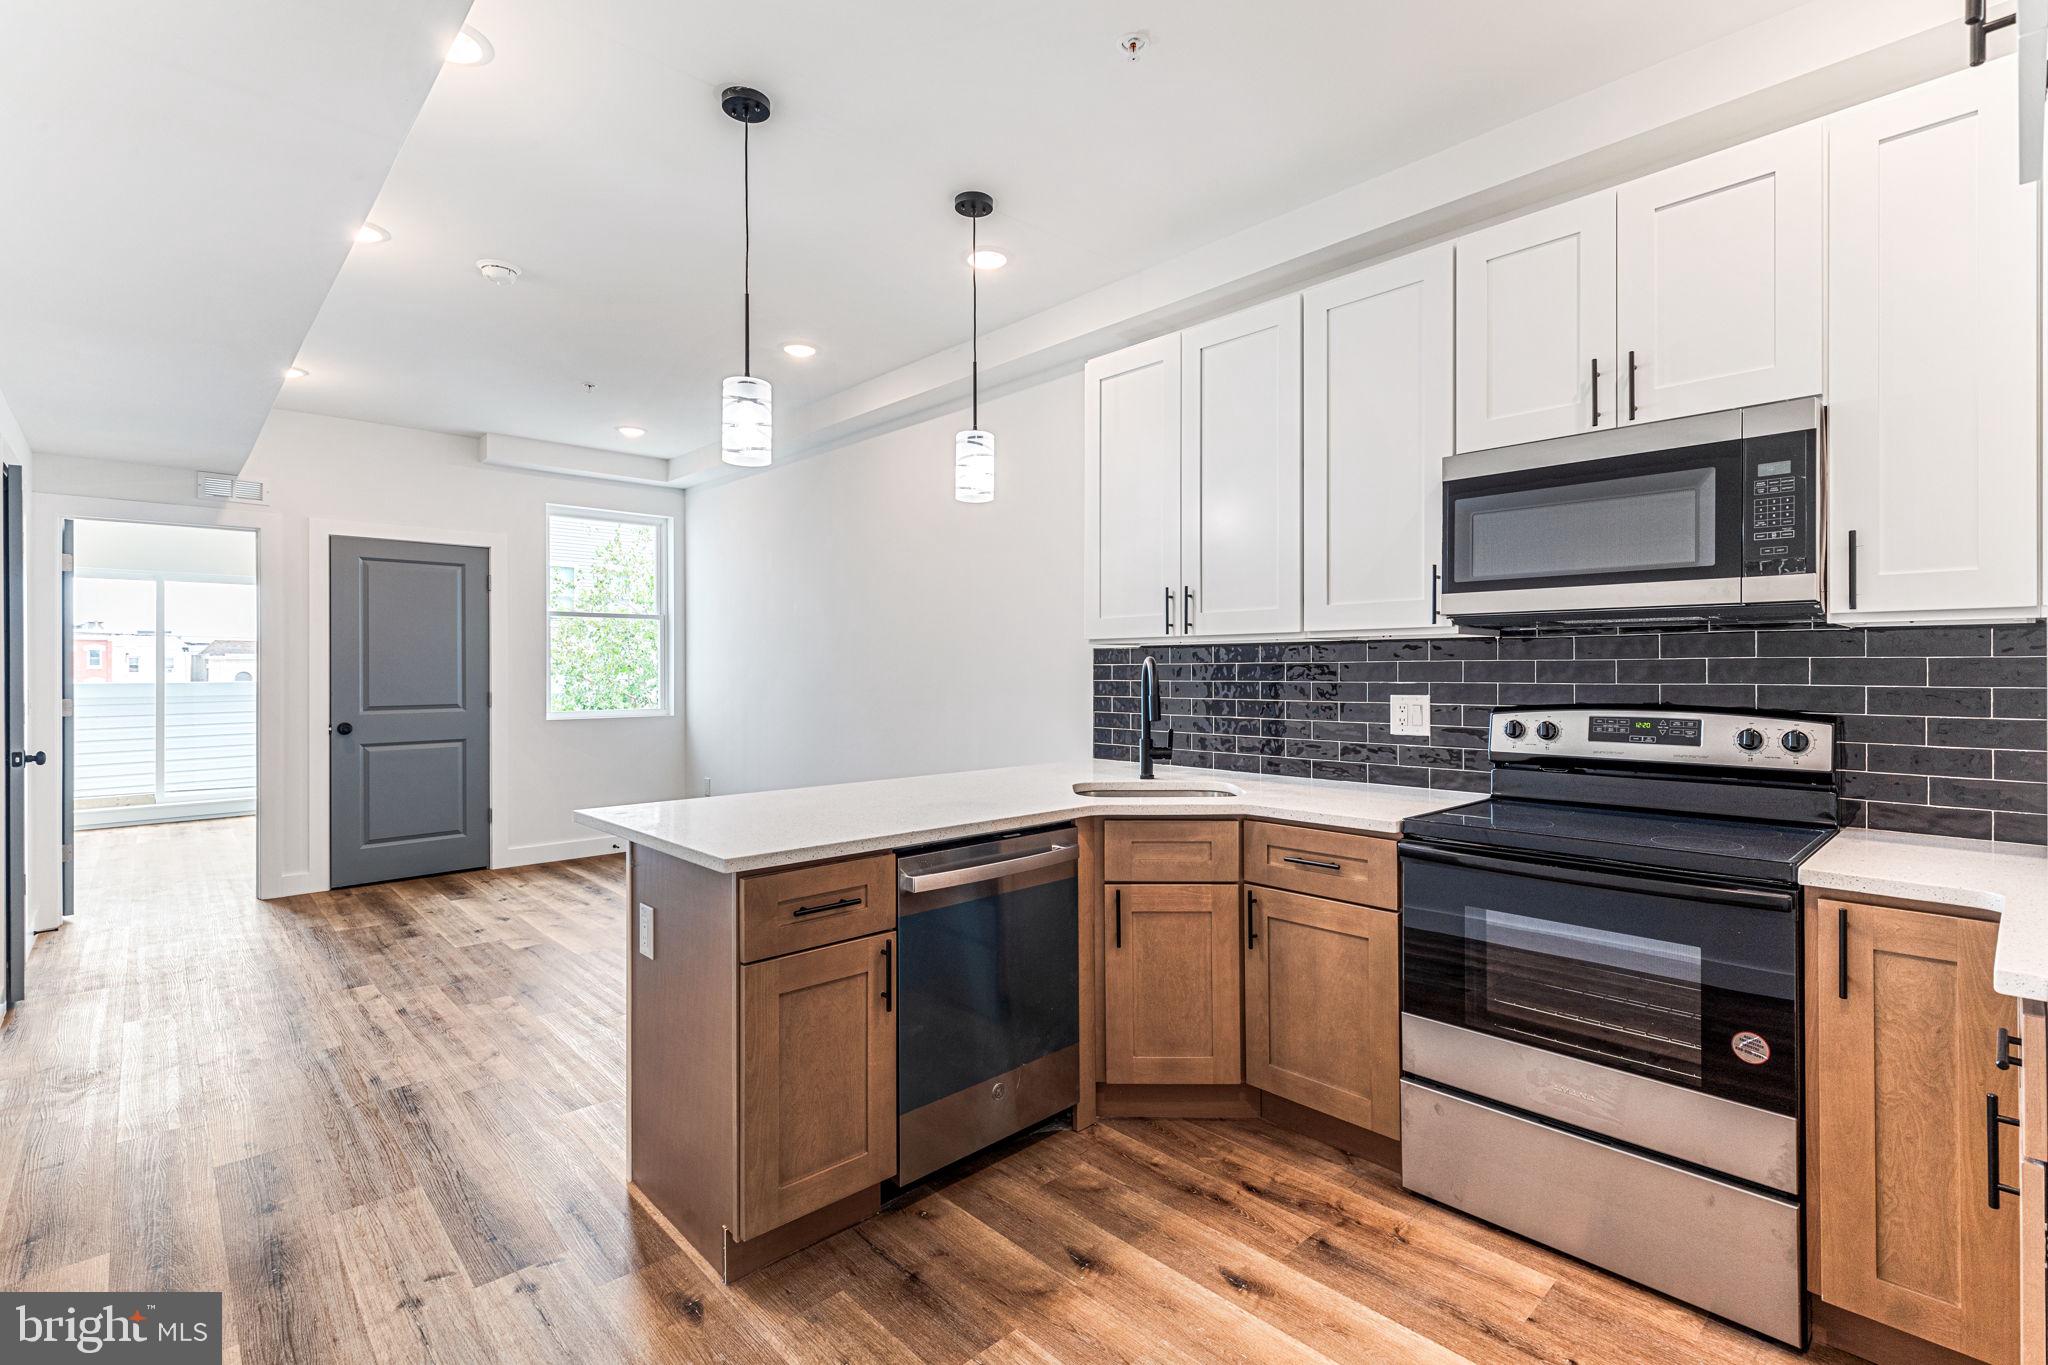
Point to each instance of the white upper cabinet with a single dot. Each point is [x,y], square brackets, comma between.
[1719,281]
[1131,442]
[1241,471]
[1377,419]
[1933,361]
[1535,325]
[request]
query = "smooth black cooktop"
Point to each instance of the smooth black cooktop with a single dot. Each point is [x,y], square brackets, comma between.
[1757,850]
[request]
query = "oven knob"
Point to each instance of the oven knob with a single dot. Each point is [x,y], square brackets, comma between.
[1749,741]
[1547,730]
[1796,741]
[1514,729]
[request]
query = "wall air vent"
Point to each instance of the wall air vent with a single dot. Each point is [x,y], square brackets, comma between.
[228,488]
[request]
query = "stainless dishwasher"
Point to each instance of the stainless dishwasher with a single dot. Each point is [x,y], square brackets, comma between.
[988,996]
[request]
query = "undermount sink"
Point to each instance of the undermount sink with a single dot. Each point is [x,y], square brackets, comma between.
[1156,789]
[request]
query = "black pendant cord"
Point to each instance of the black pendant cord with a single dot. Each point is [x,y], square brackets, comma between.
[974,344]
[746,244]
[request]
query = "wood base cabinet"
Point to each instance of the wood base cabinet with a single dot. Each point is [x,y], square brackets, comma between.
[817,1079]
[1322,1006]
[1171,985]
[2033,1250]
[1906,1022]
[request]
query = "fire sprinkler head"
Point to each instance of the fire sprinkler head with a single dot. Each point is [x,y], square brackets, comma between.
[1131,44]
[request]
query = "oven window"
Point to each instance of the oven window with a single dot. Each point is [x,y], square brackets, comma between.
[1598,993]
[1689,990]
[1649,522]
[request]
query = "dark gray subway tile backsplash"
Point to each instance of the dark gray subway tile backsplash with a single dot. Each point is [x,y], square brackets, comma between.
[1941,727]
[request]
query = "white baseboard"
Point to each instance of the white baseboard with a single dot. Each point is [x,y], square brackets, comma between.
[561,850]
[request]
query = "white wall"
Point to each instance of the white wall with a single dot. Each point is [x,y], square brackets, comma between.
[848,619]
[324,472]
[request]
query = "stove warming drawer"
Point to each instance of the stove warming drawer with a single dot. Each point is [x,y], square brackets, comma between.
[1728,1249]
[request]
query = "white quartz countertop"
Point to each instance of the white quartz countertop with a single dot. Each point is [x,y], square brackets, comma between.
[2009,880]
[753,830]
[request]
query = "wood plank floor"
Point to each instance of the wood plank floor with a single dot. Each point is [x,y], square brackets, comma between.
[389,1124]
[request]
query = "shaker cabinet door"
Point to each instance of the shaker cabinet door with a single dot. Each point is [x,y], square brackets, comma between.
[1933,359]
[817,1079]
[1377,420]
[1171,976]
[1535,325]
[1719,282]
[1905,1021]
[1132,452]
[1241,471]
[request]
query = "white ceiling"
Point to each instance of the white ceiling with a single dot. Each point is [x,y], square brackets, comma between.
[178,179]
[592,154]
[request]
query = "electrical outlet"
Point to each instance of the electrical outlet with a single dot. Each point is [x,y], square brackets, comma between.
[647,931]
[1409,714]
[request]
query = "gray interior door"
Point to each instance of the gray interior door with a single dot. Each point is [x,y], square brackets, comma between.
[12,496]
[67,738]
[408,709]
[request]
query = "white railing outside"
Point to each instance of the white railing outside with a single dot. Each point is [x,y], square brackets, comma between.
[209,745]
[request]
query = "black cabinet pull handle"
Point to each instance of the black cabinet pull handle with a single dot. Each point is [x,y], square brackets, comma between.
[1596,391]
[1631,386]
[1317,863]
[1436,578]
[839,904]
[888,977]
[1169,610]
[1852,571]
[2008,1044]
[1251,919]
[1117,899]
[1187,610]
[1993,1121]
[1842,952]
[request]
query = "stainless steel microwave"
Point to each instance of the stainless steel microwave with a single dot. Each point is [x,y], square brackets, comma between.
[1715,517]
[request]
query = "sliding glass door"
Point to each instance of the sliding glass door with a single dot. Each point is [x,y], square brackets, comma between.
[163,673]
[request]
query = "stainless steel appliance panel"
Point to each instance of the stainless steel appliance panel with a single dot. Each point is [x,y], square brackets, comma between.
[1736,1139]
[1728,1249]
[988,997]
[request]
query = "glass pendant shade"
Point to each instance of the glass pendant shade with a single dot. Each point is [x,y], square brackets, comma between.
[974,466]
[747,421]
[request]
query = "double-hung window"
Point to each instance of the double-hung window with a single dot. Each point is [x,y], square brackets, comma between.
[608,614]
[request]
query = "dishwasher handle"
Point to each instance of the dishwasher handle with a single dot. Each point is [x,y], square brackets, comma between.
[916,882]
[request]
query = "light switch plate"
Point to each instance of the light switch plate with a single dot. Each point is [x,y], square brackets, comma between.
[647,931]
[1409,714]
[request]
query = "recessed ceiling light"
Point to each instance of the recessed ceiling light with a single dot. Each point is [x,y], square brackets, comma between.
[987,258]
[369,234]
[470,48]
[295,373]
[632,433]
[801,350]
[497,272]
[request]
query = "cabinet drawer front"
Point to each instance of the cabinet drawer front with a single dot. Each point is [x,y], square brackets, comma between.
[809,907]
[1321,862]
[1169,851]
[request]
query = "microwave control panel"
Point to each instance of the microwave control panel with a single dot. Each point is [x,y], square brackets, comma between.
[1779,504]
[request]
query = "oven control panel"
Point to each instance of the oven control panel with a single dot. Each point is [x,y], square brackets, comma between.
[1652,735]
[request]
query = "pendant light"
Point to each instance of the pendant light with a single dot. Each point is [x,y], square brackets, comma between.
[746,402]
[974,450]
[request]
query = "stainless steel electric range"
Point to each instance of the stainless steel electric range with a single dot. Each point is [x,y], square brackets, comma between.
[1600,1040]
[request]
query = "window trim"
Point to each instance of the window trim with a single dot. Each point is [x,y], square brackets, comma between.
[663,614]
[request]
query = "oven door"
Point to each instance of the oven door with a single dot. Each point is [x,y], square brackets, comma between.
[1634,532]
[1658,1012]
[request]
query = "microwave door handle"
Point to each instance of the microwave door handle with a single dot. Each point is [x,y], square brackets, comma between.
[1612,881]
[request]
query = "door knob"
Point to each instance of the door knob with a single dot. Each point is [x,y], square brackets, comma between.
[344,729]
[38,758]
